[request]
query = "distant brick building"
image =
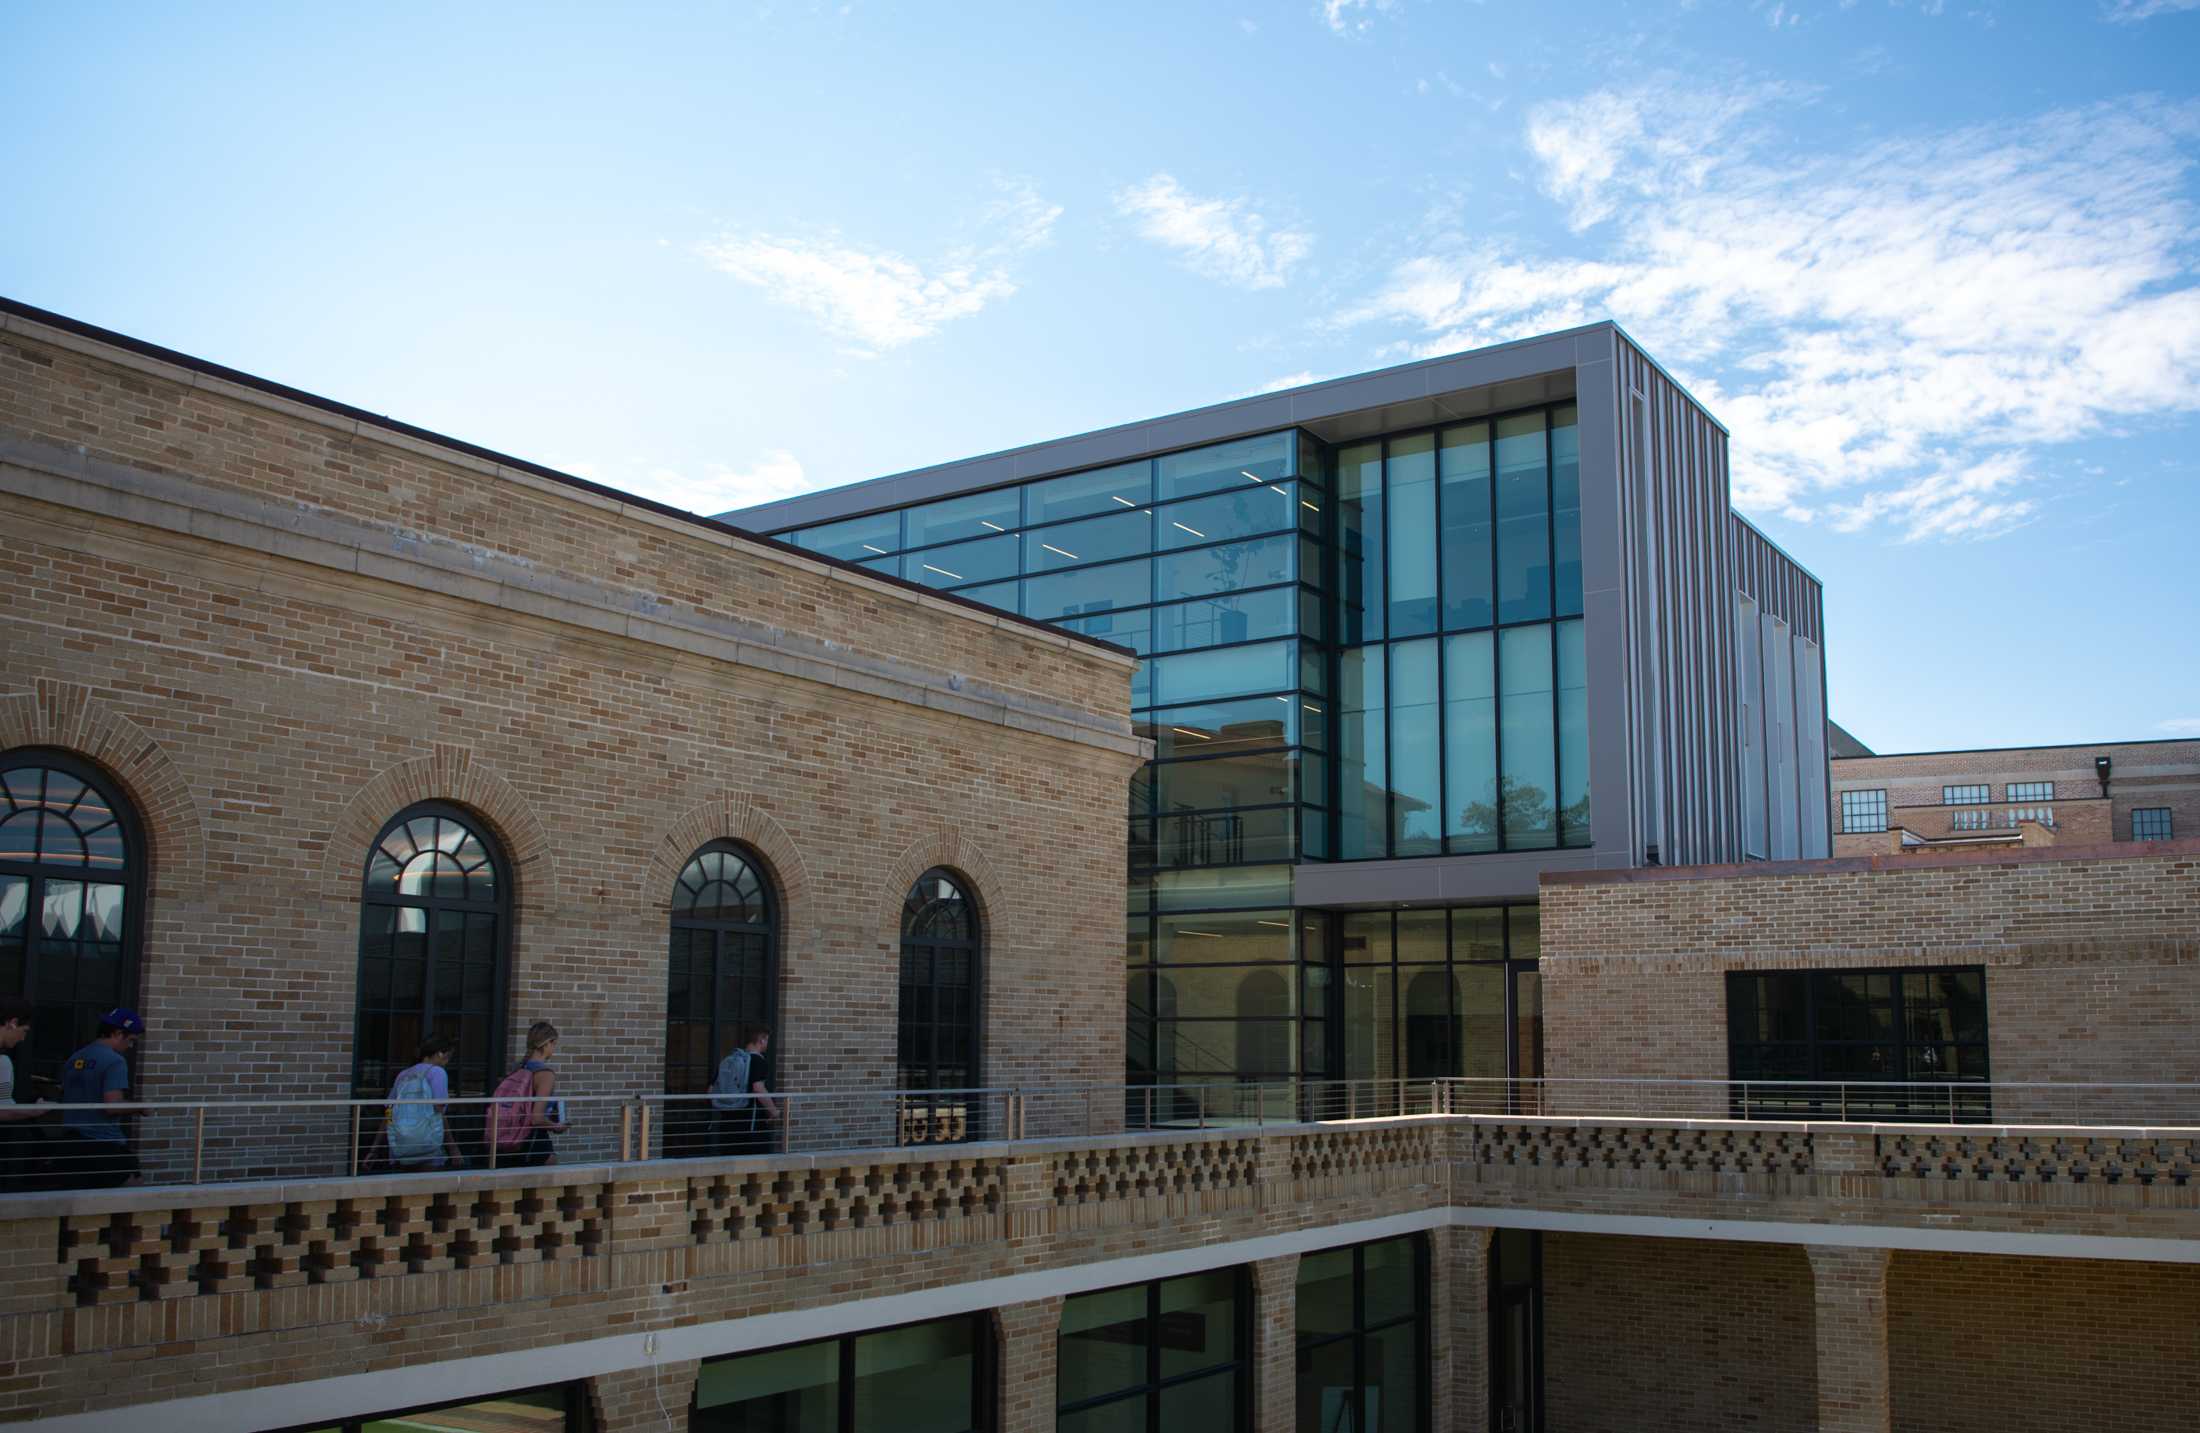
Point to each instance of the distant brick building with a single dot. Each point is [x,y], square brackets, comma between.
[2083,794]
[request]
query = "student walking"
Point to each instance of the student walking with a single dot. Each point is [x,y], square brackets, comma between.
[742,1095]
[95,1149]
[20,1144]
[526,1115]
[418,1135]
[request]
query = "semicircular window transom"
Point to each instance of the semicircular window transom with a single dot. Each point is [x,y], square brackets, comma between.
[938,1037]
[432,857]
[718,885]
[70,877]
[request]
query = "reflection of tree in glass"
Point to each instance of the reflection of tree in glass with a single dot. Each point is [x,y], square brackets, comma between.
[1527,808]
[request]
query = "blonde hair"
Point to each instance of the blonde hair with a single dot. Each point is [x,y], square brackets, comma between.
[541,1033]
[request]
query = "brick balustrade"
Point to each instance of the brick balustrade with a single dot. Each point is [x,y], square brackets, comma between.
[207,1290]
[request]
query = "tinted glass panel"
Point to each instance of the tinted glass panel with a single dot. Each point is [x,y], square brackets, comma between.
[1215,621]
[1102,1346]
[1566,508]
[918,1379]
[1411,499]
[1239,512]
[1523,520]
[1464,464]
[1231,567]
[783,1390]
[1416,786]
[958,563]
[1225,465]
[1470,742]
[1362,772]
[1233,671]
[1130,628]
[1573,735]
[1095,589]
[1526,714]
[972,516]
[1217,727]
[1359,501]
[855,539]
[1223,781]
[1119,534]
[1128,485]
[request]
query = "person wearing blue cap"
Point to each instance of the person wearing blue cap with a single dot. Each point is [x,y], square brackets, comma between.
[96,1151]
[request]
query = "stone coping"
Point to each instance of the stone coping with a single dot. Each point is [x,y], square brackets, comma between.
[1817,1127]
[1882,864]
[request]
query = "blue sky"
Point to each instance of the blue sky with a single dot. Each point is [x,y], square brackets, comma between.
[1934,263]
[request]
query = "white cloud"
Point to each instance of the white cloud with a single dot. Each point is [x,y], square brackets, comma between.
[1350,17]
[717,489]
[1219,238]
[2180,726]
[876,298]
[1289,380]
[1890,331]
[2130,12]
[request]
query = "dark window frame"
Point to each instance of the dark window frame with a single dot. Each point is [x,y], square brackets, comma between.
[1976,794]
[1421,1317]
[51,1044]
[372,900]
[984,1368]
[1857,809]
[579,1412]
[1240,1366]
[2028,791]
[720,1022]
[1969,1100]
[2168,828]
[925,1121]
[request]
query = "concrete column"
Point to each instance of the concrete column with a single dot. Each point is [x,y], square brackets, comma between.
[652,1399]
[1459,1329]
[1853,1388]
[1026,1335]
[1275,1351]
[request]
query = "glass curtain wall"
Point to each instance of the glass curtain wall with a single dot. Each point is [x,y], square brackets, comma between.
[1208,564]
[1363,1339]
[921,1378]
[1164,1357]
[1432,994]
[1462,688]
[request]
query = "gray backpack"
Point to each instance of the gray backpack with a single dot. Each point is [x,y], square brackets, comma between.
[730,1091]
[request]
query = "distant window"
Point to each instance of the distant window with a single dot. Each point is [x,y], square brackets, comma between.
[2031,791]
[1970,820]
[2150,823]
[1870,1043]
[1966,795]
[1863,811]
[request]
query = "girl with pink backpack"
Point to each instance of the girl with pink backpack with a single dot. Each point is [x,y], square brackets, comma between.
[525,1115]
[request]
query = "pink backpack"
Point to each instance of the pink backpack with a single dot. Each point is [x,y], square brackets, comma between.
[508,1117]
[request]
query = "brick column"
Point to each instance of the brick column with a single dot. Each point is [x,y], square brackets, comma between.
[1275,1351]
[1459,1328]
[1853,1390]
[652,1399]
[1027,1335]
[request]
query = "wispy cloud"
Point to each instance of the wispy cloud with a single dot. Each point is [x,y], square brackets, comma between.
[2130,12]
[1893,331]
[1220,238]
[1350,17]
[716,489]
[876,298]
[2180,726]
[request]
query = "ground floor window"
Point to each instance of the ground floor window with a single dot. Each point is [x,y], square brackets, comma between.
[1363,1339]
[563,1409]
[1822,1039]
[931,1377]
[1165,1357]
[1516,1330]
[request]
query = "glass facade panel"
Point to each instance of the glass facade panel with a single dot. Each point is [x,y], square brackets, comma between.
[1127,628]
[855,539]
[1923,1033]
[1470,742]
[1233,671]
[1223,781]
[796,1390]
[1362,1357]
[1416,766]
[1363,818]
[1573,735]
[1218,621]
[1244,511]
[1239,463]
[1523,520]
[1467,540]
[994,594]
[1127,485]
[1410,497]
[1099,539]
[986,560]
[1566,510]
[918,1379]
[1527,737]
[1091,589]
[1359,503]
[1231,567]
[1165,1356]
[969,516]
[1215,728]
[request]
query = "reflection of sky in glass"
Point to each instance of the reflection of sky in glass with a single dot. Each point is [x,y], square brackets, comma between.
[54,818]
[15,894]
[62,910]
[433,856]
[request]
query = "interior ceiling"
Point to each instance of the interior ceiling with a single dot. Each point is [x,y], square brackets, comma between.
[1443,408]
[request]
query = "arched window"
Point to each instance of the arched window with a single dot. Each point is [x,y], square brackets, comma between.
[434,928]
[72,878]
[724,942]
[939,986]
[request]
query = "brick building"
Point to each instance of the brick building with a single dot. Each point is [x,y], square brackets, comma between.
[320,732]
[2083,794]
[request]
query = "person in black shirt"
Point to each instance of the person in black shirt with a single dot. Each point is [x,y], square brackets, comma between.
[748,1116]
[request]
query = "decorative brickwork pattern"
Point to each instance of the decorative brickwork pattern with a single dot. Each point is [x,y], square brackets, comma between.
[766,1204]
[2148,1161]
[1661,1149]
[225,1249]
[1351,1154]
[1145,1171]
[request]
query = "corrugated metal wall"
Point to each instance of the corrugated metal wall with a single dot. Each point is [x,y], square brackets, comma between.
[1686,556]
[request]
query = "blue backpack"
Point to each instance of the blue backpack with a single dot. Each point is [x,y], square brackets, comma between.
[730,1091]
[416,1126]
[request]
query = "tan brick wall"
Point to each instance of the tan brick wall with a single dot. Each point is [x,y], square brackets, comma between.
[1984,1344]
[2093,964]
[1676,1335]
[269,712]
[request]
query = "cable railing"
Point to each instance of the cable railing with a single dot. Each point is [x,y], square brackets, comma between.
[228,1141]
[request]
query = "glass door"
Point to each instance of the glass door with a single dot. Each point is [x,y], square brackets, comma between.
[1516,1331]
